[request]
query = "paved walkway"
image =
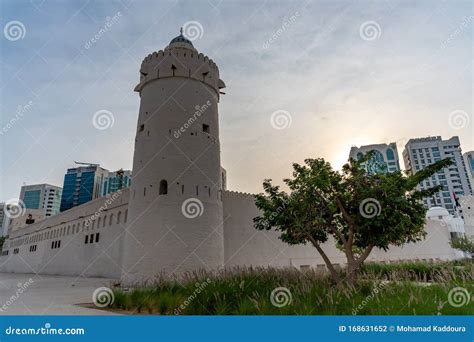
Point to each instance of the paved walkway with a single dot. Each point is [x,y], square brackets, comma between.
[31,294]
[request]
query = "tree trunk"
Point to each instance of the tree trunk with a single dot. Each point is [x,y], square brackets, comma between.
[335,276]
[352,272]
[354,264]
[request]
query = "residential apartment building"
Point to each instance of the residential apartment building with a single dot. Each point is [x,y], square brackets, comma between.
[44,197]
[384,159]
[421,152]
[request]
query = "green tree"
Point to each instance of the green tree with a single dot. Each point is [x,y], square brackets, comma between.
[2,241]
[464,244]
[358,209]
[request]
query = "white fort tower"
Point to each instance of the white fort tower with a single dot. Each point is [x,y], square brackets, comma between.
[175,219]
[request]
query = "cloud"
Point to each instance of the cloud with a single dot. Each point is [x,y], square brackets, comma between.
[340,89]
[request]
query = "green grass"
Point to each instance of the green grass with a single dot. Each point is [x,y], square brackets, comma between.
[396,289]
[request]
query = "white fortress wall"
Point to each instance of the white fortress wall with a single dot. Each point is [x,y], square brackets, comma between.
[244,245]
[467,209]
[435,247]
[57,245]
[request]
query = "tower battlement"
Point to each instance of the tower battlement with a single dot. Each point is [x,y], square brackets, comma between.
[180,59]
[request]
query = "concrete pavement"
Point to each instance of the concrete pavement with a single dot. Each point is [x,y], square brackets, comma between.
[32,294]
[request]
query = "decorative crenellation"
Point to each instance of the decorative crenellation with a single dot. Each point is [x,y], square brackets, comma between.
[238,194]
[180,62]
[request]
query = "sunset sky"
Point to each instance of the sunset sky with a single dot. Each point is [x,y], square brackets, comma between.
[337,85]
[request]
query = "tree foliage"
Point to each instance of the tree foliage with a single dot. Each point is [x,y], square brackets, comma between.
[358,209]
[2,241]
[464,244]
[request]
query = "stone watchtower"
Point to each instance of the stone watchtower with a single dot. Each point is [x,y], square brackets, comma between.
[175,221]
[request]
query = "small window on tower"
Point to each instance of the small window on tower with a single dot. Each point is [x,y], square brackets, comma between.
[206,128]
[141,128]
[163,187]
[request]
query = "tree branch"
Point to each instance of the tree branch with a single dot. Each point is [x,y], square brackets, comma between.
[364,255]
[329,265]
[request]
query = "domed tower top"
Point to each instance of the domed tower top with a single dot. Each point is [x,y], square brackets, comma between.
[181,41]
[180,59]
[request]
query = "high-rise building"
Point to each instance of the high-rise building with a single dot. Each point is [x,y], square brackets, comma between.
[117,180]
[422,152]
[82,184]
[469,162]
[3,220]
[384,158]
[44,197]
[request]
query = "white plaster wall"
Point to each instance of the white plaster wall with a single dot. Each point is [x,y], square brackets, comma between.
[20,222]
[435,246]
[244,245]
[74,257]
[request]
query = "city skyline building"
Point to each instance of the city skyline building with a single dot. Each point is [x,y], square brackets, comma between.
[44,197]
[3,220]
[86,183]
[469,162]
[82,184]
[421,152]
[116,180]
[384,159]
